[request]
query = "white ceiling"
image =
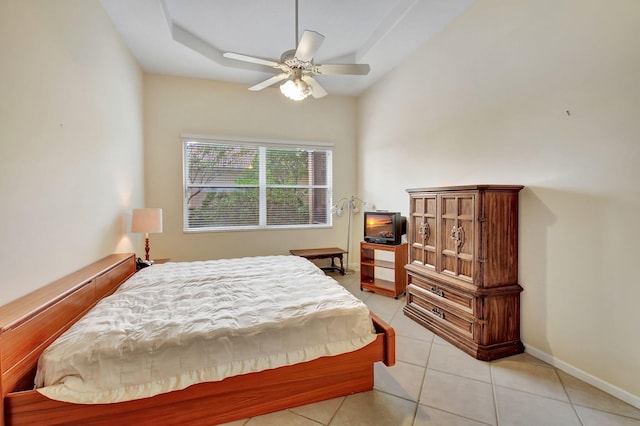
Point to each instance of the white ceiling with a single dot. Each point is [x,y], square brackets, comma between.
[187,37]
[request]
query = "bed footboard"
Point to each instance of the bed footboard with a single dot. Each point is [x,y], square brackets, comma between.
[231,399]
[382,327]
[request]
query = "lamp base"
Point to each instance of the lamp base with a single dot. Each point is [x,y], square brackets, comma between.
[146,247]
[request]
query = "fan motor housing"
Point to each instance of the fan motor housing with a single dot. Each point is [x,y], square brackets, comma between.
[289,58]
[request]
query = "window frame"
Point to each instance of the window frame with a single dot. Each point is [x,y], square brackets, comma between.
[262,145]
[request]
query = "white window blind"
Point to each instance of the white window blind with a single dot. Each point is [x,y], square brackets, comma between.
[244,184]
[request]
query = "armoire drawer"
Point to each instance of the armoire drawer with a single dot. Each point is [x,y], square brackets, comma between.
[438,312]
[444,294]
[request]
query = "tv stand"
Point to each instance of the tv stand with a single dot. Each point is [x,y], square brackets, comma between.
[369,263]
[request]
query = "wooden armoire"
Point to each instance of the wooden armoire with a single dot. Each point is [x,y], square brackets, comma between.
[463,267]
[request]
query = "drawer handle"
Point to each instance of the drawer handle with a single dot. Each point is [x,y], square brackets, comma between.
[437,312]
[437,291]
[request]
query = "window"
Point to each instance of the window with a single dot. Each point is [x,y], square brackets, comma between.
[255,184]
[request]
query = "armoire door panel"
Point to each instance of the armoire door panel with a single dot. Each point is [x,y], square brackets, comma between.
[465,268]
[422,231]
[458,220]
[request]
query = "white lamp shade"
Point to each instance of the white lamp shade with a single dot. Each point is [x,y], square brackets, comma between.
[146,220]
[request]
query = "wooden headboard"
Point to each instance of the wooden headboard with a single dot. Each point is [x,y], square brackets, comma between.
[29,324]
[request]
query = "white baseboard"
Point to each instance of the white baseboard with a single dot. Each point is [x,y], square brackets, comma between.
[584,376]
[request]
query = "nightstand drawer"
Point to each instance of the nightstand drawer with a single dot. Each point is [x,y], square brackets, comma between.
[442,293]
[421,301]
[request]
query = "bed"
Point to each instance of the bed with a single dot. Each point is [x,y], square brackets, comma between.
[32,323]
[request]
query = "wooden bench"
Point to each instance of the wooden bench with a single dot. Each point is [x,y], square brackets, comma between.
[323,253]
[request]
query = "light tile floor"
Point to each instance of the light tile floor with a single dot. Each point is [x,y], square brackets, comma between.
[434,383]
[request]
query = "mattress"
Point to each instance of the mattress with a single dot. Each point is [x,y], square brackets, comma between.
[176,324]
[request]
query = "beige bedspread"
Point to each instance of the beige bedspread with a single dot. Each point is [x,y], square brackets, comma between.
[176,324]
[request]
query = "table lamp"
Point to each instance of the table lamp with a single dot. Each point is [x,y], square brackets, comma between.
[147,221]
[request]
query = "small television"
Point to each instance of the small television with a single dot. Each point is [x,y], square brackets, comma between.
[382,227]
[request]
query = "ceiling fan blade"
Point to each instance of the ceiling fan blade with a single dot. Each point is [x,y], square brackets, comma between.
[270,81]
[252,59]
[355,69]
[309,45]
[317,91]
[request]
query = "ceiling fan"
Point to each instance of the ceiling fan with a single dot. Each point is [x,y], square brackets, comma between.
[297,67]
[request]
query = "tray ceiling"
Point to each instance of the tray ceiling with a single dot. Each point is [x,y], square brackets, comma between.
[187,37]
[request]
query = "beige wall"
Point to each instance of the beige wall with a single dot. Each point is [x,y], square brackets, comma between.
[70,141]
[174,106]
[486,101]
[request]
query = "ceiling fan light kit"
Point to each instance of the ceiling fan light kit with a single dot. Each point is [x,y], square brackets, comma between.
[297,68]
[295,88]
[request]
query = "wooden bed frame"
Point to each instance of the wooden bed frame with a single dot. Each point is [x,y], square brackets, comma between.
[31,323]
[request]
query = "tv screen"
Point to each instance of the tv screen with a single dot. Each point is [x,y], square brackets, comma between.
[384,227]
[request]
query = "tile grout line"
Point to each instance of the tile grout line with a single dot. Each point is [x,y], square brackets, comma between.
[495,395]
[418,404]
[335,413]
[564,388]
[424,378]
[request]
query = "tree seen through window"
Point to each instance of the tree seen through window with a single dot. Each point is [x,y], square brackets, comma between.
[255,186]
